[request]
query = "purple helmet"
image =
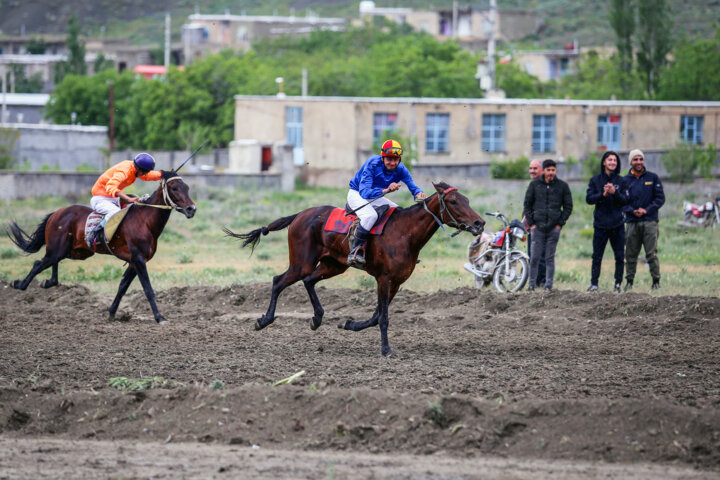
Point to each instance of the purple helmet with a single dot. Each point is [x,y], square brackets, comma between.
[144,161]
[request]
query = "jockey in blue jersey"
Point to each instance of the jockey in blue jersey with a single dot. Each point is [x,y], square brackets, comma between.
[379,175]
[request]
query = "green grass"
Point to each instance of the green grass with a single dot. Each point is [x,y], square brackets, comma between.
[197,252]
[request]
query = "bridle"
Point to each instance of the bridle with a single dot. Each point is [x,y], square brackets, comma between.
[169,204]
[444,209]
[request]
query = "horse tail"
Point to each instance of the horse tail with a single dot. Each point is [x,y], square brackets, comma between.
[28,243]
[252,238]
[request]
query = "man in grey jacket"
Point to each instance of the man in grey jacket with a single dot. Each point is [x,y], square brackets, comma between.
[548,205]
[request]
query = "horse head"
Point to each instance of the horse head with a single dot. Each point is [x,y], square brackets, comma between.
[176,193]
[455,210]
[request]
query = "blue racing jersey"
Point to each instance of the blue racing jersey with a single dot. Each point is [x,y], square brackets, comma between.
[373,177]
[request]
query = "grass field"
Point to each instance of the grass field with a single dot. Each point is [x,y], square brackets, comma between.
[196,252]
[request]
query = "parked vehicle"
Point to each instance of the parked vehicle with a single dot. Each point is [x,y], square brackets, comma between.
[492,257]
[704,215]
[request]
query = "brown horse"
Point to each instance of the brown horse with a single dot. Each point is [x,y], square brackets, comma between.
[135,242]
[316,254]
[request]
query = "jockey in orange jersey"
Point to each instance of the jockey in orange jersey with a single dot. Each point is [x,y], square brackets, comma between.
[108,190]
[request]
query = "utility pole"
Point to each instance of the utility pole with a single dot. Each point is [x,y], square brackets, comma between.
[167,43]
[304,82]
[3,113]
[111,86]
[491,43]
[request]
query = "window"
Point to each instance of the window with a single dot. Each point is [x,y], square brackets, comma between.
[493,132]
[294,132]
[436,132]
[691,129]
[608,132]
[383,122]
[543,139]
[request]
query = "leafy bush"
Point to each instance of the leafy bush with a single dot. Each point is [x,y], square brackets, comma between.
[683,161]
[591,166]
[9,253]
[511,169]
[8,138]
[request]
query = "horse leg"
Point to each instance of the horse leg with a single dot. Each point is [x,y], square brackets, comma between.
[326,269]
[141,270]
[386,292]
[53,281]
[125,282]
[357,325]
[38,267]
[280,283]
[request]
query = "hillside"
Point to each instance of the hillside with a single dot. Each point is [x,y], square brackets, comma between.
[565,20]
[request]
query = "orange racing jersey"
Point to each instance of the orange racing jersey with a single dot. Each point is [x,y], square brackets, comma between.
[120,176]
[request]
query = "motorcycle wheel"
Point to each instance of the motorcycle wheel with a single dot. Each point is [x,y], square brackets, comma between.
[514,279]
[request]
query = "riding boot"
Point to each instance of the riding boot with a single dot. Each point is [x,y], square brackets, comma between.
[356,258]
[95,233]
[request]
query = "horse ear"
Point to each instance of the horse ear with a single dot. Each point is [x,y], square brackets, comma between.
[438,187]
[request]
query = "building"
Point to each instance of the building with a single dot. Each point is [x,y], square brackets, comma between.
[23,107]
[332,136]
[206,34]
[470,26]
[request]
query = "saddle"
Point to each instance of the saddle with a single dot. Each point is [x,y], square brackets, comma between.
[340,222]
[111,226]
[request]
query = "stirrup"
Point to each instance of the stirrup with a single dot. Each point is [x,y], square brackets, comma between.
[356,259]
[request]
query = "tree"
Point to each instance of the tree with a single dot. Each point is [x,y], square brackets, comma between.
[622,19]
[694,73]
[36,46]
[655,41]
[101,63]
[75,63]
[516,82]
[23,83]
[598,78]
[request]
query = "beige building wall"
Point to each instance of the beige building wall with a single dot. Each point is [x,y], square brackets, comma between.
[337,131]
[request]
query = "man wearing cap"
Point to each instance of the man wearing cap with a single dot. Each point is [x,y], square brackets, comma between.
[548,205]
[645,197]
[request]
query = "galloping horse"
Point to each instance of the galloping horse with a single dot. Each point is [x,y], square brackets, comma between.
[135,241]
[316,254]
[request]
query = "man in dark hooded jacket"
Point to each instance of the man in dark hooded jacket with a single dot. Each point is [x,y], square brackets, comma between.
[607,191]
[548,205]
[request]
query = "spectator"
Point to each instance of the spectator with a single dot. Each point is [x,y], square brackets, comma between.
[535,172]
[607,192]
[645,197]
[548,205]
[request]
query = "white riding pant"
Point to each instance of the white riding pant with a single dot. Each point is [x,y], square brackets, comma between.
[105,205]
[367,215]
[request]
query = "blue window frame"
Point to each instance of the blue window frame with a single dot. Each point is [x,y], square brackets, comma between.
[691,129]
[437,127]
[543,136]
[294,125]
[383,122]
[493,132]
[608,137]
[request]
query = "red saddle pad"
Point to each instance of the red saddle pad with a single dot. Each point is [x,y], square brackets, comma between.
[339,222]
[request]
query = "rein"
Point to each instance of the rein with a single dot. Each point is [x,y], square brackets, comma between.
[169,204]
[443,208]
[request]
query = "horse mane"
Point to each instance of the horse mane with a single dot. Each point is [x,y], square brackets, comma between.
[168,174]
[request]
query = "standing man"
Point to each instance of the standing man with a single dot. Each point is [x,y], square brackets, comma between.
[548,205]
[607,192]
[645,197]
[535,172]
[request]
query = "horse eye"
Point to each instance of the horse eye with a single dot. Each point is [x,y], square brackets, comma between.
[452,202]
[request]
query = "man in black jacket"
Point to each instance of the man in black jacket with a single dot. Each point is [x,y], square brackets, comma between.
[645,197]
[548,205]
[608,193]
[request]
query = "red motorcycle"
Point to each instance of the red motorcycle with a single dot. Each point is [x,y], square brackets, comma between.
[704,215]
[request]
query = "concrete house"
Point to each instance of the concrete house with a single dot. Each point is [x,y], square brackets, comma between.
[332,136]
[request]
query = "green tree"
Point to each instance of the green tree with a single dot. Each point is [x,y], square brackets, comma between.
[36,46]
[599,78]
[694,73]
[101,63]
[622,19]
[516,82]
[23,83]
[75,63]
[655,40]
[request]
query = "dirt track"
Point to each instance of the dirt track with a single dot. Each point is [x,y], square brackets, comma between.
[629,380]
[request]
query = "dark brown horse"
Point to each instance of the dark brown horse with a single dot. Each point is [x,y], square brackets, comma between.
[135,242]
[316,254]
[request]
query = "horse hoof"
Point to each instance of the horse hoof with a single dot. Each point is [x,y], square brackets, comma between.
[160,320]
[343,325]
[47,284]
[387,352]
[16,284]
[258,325]
[315,323]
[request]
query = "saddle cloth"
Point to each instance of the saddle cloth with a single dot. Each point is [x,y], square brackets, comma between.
[111,225]
[339,222]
